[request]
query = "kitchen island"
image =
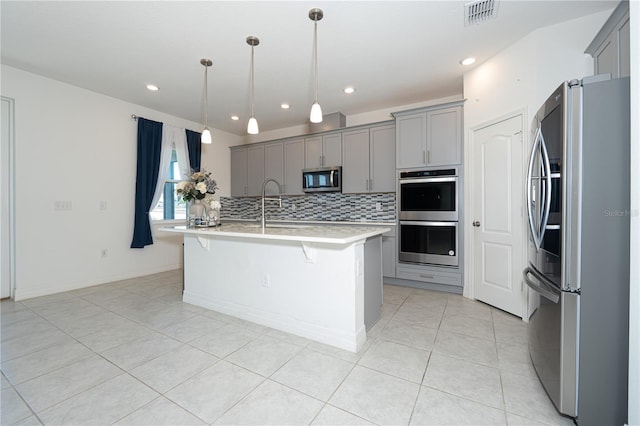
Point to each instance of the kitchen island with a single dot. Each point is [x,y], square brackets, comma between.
[322,282]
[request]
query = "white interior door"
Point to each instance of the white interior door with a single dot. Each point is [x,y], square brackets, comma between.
[5,220]
[497,214]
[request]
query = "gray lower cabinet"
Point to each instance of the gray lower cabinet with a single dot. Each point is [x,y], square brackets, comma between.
[323,151]
[293,165]
[368,160]
[426,274]
[610,48]
[389,250]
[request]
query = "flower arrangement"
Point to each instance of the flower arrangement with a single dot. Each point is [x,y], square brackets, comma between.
[198,186]
[211,202]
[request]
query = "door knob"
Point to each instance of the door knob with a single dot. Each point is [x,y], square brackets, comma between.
[476,223]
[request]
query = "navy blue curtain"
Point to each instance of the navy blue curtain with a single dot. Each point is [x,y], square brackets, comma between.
[149,148]
[195,149]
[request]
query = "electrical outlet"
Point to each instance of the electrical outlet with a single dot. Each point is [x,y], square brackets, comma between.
[104,252]
[293,207]
[379,206]
[266,281]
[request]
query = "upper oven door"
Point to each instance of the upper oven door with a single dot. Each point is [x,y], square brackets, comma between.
[429,198]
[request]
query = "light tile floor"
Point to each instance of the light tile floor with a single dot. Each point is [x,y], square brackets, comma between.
[131,353]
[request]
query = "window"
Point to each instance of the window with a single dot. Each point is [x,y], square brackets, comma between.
[173,208]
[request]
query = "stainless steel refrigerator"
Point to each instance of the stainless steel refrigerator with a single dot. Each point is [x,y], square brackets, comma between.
[578,267]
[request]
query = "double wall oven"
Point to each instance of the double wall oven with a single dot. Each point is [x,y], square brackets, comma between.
[428,212]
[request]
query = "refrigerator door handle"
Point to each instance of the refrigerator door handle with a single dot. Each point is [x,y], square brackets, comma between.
[544,289]
[529,189]
[538,225]
[547,187]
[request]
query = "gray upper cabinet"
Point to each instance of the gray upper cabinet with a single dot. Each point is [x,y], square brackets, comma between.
[444,136]
[429,138]
[323,151]
[274,165]
[355,154]
[411,140]
[255,170]
[238,172]
[293,165]
[382,154]
[610,48]
[368,160]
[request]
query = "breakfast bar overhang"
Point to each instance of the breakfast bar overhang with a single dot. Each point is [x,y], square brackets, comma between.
[319,282]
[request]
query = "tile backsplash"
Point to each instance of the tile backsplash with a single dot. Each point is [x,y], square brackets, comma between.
[377,207]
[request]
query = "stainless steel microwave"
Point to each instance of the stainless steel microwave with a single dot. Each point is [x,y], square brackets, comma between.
[324,179]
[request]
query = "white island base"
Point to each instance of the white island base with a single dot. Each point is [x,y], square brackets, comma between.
[327,290]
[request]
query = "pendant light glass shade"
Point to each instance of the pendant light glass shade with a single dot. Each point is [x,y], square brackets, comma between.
[316,112]
[206,133]
[206,136]
[252,125]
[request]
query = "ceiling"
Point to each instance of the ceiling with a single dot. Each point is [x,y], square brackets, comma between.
[393,52]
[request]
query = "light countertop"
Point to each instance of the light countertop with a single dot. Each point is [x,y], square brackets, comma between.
[289,232]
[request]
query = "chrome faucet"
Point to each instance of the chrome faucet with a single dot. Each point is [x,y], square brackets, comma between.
[263,221]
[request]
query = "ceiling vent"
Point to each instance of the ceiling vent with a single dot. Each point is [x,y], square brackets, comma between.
[480,11]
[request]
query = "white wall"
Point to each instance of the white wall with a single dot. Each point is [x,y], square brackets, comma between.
[75,145]
[524,74]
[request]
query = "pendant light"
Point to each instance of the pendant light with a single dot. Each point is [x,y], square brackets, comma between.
[316,112]
[252,126]
[206,134]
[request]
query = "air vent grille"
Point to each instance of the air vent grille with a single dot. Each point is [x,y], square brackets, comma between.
[480,11]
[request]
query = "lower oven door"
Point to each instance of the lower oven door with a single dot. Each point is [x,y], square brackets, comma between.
[429,242]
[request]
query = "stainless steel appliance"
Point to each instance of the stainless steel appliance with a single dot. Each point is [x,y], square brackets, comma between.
[578,266]
[429,195]
[428,212]
[324,179]
[429,242]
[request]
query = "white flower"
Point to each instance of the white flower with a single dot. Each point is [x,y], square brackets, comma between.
[180,186]
[215,204]
[202,187]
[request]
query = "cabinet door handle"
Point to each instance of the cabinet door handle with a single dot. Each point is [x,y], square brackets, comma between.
[424,156]
[370,184]
[366,184]
[430,277]
[428,156]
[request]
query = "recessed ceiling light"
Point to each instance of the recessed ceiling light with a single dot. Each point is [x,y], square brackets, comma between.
[235,118]
[152,87]
[285,105]
[349,90]
[468,61]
